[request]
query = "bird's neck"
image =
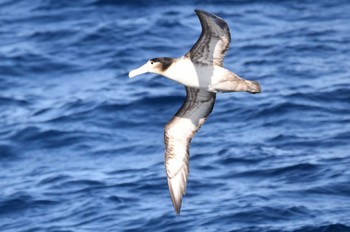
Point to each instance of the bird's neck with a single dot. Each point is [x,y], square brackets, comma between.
[182,71]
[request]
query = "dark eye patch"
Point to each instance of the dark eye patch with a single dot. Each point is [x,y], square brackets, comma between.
[155,60]
[165,61]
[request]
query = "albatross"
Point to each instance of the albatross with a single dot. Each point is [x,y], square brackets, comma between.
[202,73]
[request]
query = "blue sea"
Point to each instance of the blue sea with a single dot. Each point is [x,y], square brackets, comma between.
[81,144]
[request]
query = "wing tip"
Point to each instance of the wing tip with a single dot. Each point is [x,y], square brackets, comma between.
[176,196]
[177,210]
[197,10]
[219,21]
[200,11]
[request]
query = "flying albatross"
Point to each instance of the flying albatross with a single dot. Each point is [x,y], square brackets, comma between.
[202,73]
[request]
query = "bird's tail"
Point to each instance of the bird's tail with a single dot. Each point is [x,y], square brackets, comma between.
[253,87]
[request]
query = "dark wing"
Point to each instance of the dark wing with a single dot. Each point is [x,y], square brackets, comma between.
[177,137]
[213,42]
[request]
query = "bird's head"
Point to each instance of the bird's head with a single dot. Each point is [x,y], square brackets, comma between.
[155,65]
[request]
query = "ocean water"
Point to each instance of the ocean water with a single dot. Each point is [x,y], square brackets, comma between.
[81,144]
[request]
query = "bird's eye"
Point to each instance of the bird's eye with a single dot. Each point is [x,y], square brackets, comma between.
[151,62]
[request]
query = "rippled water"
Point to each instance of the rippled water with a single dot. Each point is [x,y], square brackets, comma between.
[81,145]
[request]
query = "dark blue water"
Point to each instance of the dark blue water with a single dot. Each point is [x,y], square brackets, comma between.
[81,144]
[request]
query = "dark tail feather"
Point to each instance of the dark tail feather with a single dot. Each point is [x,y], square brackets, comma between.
[253,87]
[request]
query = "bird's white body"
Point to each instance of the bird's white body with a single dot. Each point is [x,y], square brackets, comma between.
[205,77]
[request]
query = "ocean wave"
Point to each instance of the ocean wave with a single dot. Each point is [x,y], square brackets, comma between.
[81,144]
[20,202]
[338,227]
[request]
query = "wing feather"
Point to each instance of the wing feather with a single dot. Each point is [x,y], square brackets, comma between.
[177,137]
[213,42]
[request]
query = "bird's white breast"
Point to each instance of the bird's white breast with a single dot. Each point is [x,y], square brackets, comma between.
[196,75]
[185,72]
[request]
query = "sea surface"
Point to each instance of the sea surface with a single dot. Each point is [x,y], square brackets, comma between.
[81,144]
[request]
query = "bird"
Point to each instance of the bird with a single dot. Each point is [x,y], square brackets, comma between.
[202,73]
